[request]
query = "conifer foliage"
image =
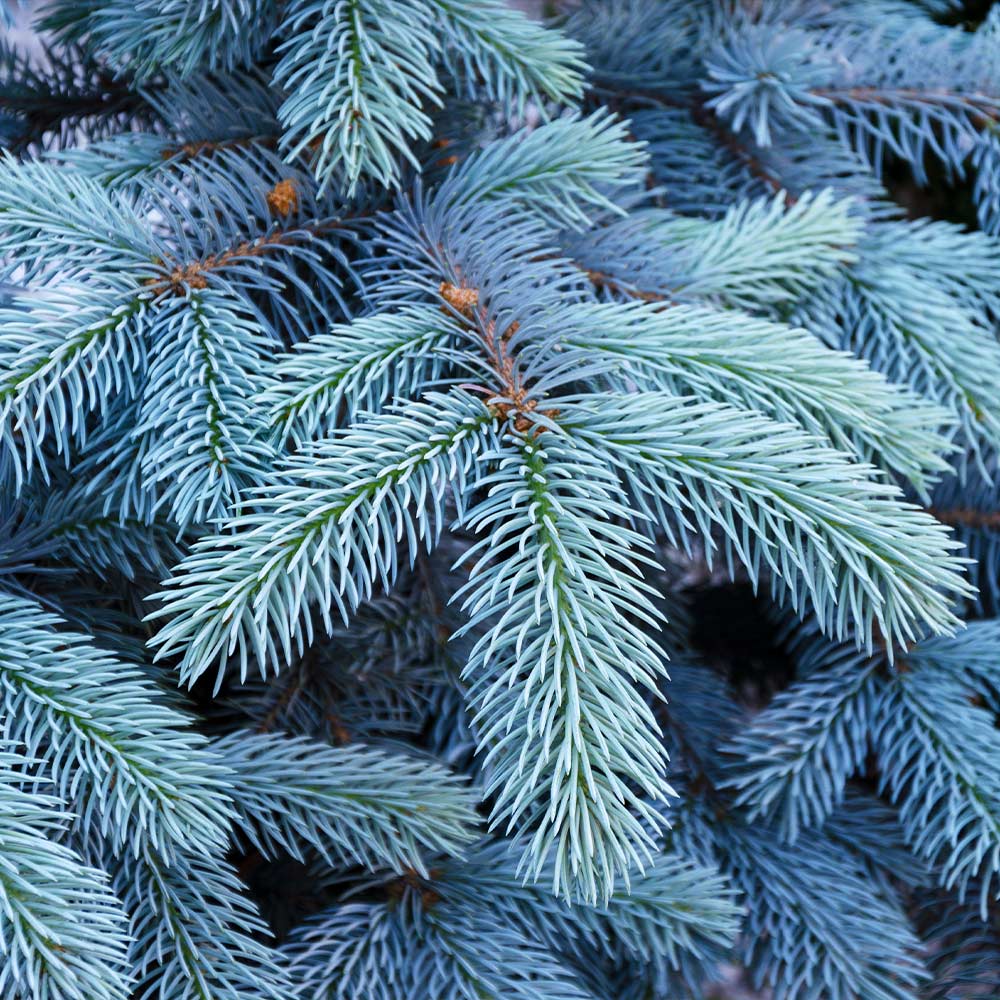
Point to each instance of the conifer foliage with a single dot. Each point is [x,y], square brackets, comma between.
[387,388]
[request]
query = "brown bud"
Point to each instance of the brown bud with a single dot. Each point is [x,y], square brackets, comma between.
[283,198]
[462,299]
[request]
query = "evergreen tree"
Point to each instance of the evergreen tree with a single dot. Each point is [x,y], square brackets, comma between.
[493,510]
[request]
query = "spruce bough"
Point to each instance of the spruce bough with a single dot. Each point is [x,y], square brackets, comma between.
[386,387]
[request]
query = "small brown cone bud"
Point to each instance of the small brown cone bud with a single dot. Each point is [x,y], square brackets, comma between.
[462,299]
[283,198]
